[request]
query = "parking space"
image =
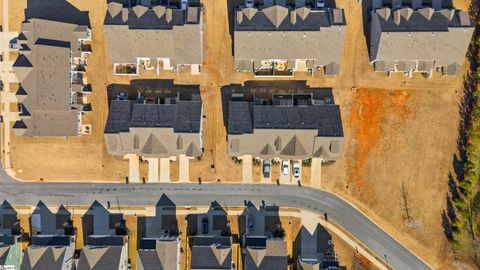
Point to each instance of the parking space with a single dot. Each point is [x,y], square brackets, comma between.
[247,171]
[184,169]
[133,168]
[152,170]
[285,171]
[164,170]
[316,174]
[266,171]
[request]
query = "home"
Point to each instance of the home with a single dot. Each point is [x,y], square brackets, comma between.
[52,241]
[153,38]
[164,127]
[10,238]
[315,250]
[419,39]
[159,238]
[269,121]
[57,51]
[264,246]
[106,240]
[279,41]
[211,241]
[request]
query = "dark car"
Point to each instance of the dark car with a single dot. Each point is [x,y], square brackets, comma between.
[266,168]
[205,225]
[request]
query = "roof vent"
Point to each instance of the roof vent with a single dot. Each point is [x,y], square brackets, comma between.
[239,16]
[293,17]
[169,15]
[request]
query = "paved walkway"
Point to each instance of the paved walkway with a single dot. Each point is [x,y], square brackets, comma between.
[7,76]
[247,173]
[165,170]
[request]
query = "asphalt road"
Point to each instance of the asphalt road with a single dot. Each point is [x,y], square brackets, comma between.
[306,198]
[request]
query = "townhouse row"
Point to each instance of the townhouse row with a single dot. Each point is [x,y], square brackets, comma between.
[207,240]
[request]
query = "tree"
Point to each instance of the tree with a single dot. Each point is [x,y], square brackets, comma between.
[405,204]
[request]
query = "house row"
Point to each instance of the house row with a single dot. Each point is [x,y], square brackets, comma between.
[264,120]
[206,244]
[269,39]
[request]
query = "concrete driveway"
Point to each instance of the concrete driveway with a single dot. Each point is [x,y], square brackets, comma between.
[247,170]
[184,169]
[164,170]
[285,179]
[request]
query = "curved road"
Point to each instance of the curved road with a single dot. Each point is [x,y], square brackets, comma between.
[306,198]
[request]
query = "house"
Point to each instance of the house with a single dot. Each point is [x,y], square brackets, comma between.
[269,124]
[419,39]
[10,238]
[51,68]
[278,40]
[211,252]
[316,250]
[106,242]
[52,241]
[160,241]
[153,38]
[264,245]
[156,128]
[211,239]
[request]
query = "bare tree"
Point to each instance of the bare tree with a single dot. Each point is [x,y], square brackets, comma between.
[405,204]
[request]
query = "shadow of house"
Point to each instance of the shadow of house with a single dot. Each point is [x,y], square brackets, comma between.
[159,241]
[10,236]
[211,242]
[106,241]
[315,250]
[52,240]
[55,10]
[264,246]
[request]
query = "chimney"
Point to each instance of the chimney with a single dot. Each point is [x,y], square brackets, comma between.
[169,15]
[239,16]
[293,16]
[397,17]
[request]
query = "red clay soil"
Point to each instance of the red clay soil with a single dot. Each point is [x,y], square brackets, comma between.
[370,106]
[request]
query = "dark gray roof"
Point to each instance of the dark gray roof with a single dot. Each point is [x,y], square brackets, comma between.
[43,69]
[211,253]
[434,38]
[165,33]
[104,258]
[280,33]
[266,254]
[243,117]
[184,116]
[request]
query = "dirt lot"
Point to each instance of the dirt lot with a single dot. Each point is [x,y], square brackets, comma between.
[396,129]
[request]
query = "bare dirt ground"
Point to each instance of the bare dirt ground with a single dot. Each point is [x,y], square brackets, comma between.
[397,129]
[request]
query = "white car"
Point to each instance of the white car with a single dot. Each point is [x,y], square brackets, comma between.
[249,3]
[320,3]
[285,165]
[296,170]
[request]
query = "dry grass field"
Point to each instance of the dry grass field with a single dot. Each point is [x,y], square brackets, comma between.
[397,129]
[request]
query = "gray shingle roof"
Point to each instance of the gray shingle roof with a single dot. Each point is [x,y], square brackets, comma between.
[100,258]
[435,38]
[164,33]
[273,256]
[154,130]
[211,253]
[164,257]
[43,69]
[292,132]
[279,33]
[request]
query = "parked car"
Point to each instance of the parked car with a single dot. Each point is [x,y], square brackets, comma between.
[250,222]
[320,3]
[296,170]
[266,168]
[249,3]
[205,225]
[285,165]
